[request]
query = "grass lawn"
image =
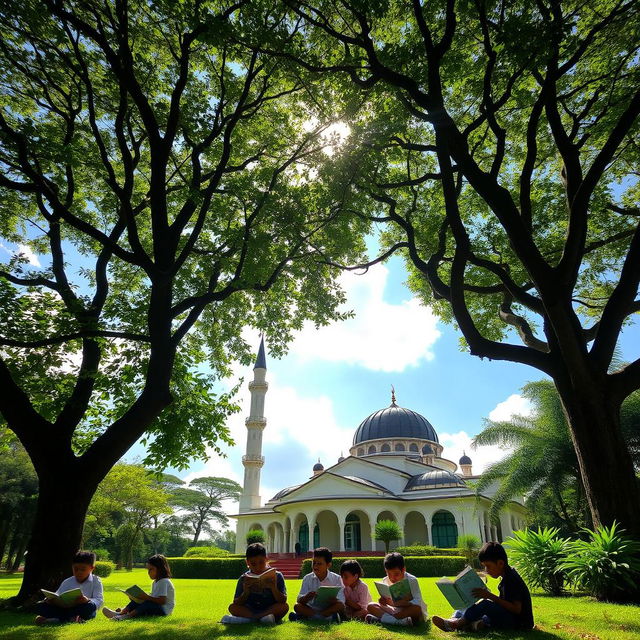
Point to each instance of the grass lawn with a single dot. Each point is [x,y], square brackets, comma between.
[200,603]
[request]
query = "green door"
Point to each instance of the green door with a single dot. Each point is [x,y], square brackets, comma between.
[444,530]
[303,537]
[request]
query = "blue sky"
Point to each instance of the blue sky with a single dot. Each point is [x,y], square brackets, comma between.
[334,377]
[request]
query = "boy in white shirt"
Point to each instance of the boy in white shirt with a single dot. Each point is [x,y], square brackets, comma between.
[306,607]
[408,611]
[86,605]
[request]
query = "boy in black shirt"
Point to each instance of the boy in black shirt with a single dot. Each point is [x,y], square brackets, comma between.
[510,610]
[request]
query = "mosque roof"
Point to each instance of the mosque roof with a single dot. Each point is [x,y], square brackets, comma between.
[394,422]
[434,480]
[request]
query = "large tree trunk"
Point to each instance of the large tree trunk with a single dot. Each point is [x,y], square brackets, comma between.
[63,500]
[606,466]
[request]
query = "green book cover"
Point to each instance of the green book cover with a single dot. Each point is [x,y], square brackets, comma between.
[324,597]
[134,593]
[396,591]
[65,599]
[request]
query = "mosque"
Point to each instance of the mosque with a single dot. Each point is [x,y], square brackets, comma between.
[394,470]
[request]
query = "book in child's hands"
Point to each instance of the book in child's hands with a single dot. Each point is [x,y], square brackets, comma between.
[134,593]
[396,591]
[459,590]
[260,581]
[325,596]
[65,599]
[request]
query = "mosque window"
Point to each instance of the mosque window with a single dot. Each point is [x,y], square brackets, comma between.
[413,447]
[444,531]
[372,449]
[400,447]
[385,447]
[360,451]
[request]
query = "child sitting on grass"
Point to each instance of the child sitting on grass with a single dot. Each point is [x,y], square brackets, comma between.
[306,607]
[510,610]
[85,606]
[256,600]
[356,592]
[162,600]
[409,610]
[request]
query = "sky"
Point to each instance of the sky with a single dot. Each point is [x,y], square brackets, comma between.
[334,377]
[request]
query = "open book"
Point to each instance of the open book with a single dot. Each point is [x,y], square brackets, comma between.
[325,596]
[65,599]
[259,581]
[396,591]
[459,590]
[134,593]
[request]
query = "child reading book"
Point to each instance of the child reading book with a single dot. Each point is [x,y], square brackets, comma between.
[77,598]
[459,591]
[261,595]
[356,592]
[400,600]
[162,600]
[510,610]
[321,595]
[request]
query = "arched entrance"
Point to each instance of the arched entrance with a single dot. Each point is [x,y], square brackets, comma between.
[444,530]
[352,533]
[303,537]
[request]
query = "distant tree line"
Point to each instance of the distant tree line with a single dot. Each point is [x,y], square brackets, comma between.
[133,514]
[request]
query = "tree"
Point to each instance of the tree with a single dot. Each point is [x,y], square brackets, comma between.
[387,531]
[202,501]
[138,498]
[542,463]
[166,174]
[469,545]
[506,174]
[225,539]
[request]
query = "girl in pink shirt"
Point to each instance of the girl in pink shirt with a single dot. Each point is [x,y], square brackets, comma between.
[356,592]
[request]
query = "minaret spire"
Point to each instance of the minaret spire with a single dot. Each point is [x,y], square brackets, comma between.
[255,423]
[393,396]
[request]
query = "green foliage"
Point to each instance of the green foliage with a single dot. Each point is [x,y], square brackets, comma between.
[206,552]
[102,554]
[255,535]
[418,566]
[103,569]
[539,557]
[387,531]
[606,564]
[207,567]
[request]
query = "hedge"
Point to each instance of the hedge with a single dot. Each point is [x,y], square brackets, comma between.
[420,566]
[427,550]
[103,568]
[206,552]
[207,567]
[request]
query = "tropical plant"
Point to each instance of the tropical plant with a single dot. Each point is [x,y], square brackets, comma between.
[606,563]
[469,545]
[255,535]
[506,177]
[387,531]
[538,556]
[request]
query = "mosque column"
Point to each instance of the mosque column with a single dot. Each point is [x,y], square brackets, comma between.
[311,522]
[373,537]
[342,521]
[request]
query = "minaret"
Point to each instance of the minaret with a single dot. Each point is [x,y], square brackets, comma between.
[256,422]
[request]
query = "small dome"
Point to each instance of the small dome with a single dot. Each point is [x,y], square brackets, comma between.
[465,459]
[394,422]
[318,466]
[427,450]
[435,480]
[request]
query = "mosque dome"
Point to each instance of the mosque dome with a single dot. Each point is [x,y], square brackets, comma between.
[434,480]
[318,466]
[394,422]
[465,459]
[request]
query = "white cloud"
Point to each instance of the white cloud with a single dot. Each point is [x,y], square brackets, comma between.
[457,444]
[381,336]
[28,253]
[514,405]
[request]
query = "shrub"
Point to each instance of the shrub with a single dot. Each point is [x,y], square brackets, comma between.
[207,567]
[422,567]
[387,531]
[426,550]
[607,564]
[538,556]
[102,554]
[103,568]
[469,545]
[206,552]
[255,535]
